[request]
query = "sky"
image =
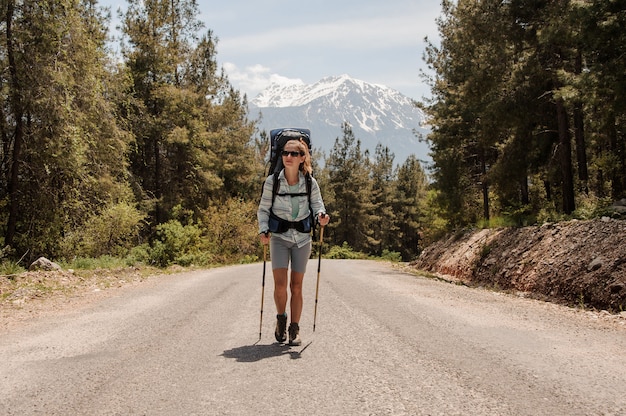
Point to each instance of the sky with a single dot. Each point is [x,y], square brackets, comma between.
[288,41]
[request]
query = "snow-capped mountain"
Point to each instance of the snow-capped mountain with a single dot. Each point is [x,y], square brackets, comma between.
[377,114]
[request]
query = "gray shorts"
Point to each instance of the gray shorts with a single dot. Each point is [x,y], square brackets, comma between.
[282,251]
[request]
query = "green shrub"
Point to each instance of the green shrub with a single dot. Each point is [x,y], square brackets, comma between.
[113,232]
[391,256]
[344,252]
[231,230]
[8,268]
[497,222]
[202,259]
[138,255]
[250,258]
[175,244]
[589,206]
[225,234]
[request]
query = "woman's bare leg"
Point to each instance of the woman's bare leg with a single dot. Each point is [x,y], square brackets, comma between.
[296,296]
[280,290]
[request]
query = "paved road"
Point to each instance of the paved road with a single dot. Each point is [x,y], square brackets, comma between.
[386,343]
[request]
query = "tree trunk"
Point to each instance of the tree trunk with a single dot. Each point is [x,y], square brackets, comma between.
[548,189]
[579,134]
[484,185]
[581,153]
[565,158]
[617,180]
[16,103]
[158,194]
[524,191]
[485,201]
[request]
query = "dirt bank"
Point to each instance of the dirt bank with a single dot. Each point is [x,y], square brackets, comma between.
[579,263]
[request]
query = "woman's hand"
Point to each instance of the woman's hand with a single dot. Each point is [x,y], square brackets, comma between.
[323,218]
[265,238]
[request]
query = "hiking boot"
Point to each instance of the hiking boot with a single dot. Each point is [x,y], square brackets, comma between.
[281,328]
[294,334]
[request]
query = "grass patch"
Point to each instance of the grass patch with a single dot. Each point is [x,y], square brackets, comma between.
[497,222]
[344,252]
[8,268]
[102,262]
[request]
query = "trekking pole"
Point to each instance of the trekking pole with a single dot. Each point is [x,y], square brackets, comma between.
[262,289]
[319,265]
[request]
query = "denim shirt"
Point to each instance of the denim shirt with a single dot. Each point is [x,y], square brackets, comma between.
[283,209]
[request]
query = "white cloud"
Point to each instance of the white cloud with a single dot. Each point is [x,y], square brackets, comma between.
[368,43]
[369,33]
[253,79]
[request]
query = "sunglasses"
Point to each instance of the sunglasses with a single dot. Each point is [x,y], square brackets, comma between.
[292,154]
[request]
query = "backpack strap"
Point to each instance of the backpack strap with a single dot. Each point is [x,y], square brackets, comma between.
[309,185]
[307,177]
[276,186]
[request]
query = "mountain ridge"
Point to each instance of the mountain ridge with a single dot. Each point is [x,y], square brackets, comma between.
[376,113]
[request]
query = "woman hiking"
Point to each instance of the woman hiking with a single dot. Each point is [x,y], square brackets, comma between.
[285,222]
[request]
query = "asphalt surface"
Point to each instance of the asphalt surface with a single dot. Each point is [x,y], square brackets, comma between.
[386,343]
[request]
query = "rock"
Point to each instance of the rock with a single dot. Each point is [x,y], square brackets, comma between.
[619,207]
[43,263]
[621,202]
[595,264]
[617,287]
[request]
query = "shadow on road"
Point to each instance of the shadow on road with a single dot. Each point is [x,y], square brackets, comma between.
[257,352]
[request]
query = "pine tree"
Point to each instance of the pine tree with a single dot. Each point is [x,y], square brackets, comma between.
[192,138]
[603,43]
[159,35]
[463,138]
[63,153]
[408,207]
[350,186]
[509,90]
[383,219]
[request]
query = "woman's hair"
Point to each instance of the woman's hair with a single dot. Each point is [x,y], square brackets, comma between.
[305,167]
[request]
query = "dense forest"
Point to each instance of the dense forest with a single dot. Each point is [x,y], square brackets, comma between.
[528,109]
[149,154]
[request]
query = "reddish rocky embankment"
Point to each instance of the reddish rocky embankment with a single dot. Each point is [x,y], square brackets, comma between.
[579,263]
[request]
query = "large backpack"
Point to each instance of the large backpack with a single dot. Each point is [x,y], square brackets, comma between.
[278,138]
